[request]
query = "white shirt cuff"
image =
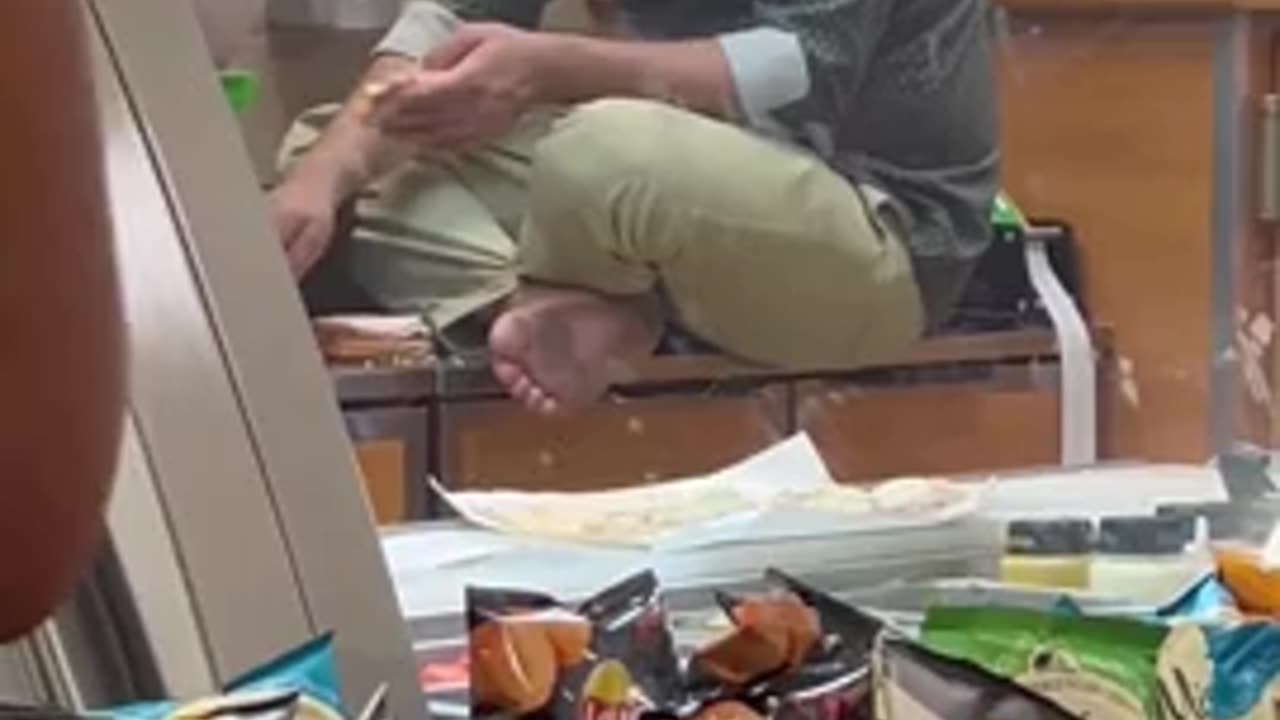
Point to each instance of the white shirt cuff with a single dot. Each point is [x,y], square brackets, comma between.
[421,27]
[769,70]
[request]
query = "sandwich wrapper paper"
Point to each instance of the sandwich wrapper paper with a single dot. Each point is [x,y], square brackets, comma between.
[745,502]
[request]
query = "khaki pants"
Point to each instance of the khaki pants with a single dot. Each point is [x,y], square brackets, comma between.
[759,249]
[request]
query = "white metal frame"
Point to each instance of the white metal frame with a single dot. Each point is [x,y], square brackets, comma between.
[238,519]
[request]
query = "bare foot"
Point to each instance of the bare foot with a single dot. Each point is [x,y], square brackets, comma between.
[557,350]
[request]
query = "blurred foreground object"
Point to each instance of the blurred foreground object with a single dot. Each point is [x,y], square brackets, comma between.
[62,385]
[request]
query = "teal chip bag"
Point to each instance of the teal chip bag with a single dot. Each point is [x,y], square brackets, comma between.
[302,684]
[1246,671]
[260,705]
[309,670]
[1207,602]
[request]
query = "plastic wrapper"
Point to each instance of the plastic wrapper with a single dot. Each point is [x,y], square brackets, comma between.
[299,685]
[913,683]
[1238,530]
[309,670]
[1246,678]
[1244,657]
[245,705]
[611,658]
[1207,602]
[834,682]
[1255,587]
[772,633]
[794,652]
[1094,667]
[446,683]
[27,712]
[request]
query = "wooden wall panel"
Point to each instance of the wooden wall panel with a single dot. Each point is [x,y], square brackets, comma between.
[497,445]
[1257,415]
[382,467]
[945,429]
[1107,124]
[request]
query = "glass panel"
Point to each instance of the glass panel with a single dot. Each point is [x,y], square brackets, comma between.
[614,245]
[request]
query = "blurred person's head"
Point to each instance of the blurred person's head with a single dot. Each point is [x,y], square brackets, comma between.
[60,377]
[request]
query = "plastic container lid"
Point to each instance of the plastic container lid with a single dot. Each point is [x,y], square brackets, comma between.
[1155,535]
[1049,537]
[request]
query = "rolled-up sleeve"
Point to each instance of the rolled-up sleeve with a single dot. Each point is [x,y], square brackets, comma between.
[420,27]
[803,61]
[769,70]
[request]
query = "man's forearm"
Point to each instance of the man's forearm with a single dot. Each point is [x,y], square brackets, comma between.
[351,153]
[692,74]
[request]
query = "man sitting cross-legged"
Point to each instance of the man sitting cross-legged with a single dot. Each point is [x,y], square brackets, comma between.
[800,183]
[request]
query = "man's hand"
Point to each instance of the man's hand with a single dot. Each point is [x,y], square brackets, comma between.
[471,90]
[304,214]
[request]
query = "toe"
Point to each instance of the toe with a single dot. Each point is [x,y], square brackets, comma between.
[508,373]
[522,388]
[510,338]
[542,402]
[535,397]
[548,407]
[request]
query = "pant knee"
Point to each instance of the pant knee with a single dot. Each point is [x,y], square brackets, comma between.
[601,142]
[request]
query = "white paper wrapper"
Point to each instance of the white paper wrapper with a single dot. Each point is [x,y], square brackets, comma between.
[784,492]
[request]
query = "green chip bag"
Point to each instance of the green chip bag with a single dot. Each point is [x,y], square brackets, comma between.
[1093,667]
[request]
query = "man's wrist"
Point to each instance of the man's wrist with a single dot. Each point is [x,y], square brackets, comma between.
[325,179]
[693,74]
[550,69]
[574,68]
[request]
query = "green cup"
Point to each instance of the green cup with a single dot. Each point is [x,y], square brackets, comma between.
[241,89]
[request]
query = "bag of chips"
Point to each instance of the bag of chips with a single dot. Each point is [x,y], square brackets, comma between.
[610,658]
[1092,666]
[309,670]
[772,633]
[793,652]
[1246,672]
[30,712]
[246,705]
[913,683]
[302,684]
[834,682]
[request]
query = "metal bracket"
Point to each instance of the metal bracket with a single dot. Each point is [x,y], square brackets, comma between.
[1078,422]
